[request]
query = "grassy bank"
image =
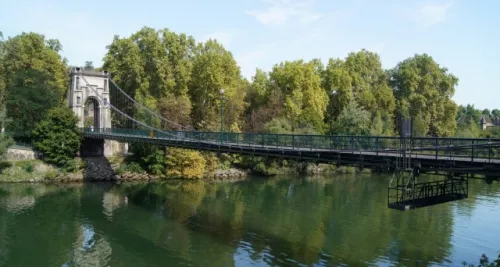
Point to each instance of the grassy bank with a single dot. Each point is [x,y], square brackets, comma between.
[29,171]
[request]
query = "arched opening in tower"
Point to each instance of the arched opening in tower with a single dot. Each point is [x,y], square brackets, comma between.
[91,113]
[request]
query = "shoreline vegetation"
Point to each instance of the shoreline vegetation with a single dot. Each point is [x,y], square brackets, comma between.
[96,169]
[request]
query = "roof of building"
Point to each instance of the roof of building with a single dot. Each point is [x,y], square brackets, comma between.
[82,71]
[488,119]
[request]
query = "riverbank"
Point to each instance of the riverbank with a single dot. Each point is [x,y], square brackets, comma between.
[115,169]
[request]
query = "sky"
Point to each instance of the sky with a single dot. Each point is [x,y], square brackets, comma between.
[461,35]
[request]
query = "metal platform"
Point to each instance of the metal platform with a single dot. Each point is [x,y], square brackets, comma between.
[417,195]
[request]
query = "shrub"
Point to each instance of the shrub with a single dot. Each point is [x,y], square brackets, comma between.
[182,163]
[57,137]
[134,167]
[28,167]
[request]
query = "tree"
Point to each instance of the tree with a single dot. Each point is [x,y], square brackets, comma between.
[151,65]
[89,65]
[214,68]
[270,109]
[279,126]
[149,156]
[31,52]
[54,44]
[258,90]
[5,140]
[57,137]
[495,113]
[304,99]
[353,120]
[468,114]
[28,101]
[177,110]
[423,90]
[36,78]
[486,112]
[369,83]
[337,84]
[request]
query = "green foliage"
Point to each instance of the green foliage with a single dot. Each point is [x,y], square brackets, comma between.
[5,142]
[369,82]
[177,110]
[57,137]
[28,167]
[89,121]
[304,99]
[71,166]
[134,167]
[353,120]
[4,165]
[423,90]
[279,126]
[214,68]
[36,78]
[495,113]
[28,101]
[89,65]
[149,157]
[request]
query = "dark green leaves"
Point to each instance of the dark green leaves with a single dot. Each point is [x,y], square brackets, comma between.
[57,137]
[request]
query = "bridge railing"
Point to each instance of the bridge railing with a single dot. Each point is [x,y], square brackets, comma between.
[473,149]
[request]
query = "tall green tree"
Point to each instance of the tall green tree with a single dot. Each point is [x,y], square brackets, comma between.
[57,137]
[495,113]
[35,79]
[29,99]
[369,83]
[89,65]
[214,68]
[423,90]
[486,112]
[151,65]
[337,83]
[305,101]
[360,78]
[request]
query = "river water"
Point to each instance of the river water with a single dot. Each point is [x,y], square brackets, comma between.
[288,221]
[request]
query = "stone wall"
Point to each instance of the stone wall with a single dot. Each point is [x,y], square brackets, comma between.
[20,154]
[115,148]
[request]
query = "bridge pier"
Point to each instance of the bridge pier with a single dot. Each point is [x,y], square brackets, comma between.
[98,148]
[92,147]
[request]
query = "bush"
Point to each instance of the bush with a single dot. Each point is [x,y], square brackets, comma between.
[134,167]
[211,162]
[71,166]
[4,165]
[57,137]
[182,163]
[28,167]
[51,175]
[150,157]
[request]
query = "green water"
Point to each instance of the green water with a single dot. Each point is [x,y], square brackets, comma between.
[261,222]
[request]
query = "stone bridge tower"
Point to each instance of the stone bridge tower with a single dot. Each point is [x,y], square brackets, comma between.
[90,102]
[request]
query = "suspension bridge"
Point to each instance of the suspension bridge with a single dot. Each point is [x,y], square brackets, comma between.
[118,116]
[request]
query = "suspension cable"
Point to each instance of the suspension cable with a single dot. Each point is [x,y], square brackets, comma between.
[147,109]
[126,115]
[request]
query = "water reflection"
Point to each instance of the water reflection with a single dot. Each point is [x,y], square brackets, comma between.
[283,221]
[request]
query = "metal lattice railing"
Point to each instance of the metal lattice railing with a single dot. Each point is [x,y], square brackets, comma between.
[473,149]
